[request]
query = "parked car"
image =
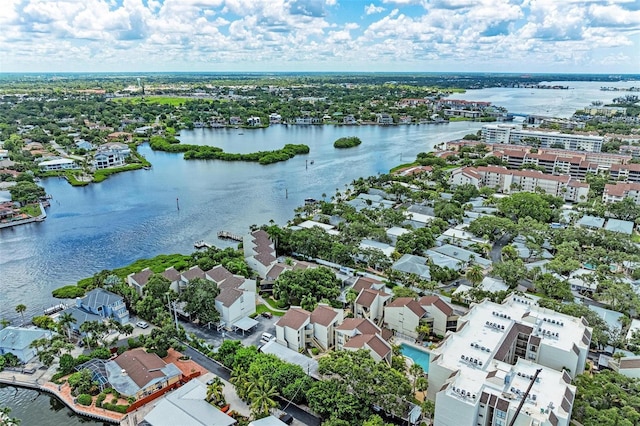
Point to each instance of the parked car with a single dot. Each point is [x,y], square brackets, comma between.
[286,418]
[142,324]
[267,314]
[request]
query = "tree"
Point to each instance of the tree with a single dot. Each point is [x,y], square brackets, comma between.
[65,320]
[526,204]
[415,242]
[510,271]
[626,209]
[5,420]
[26,192]
[553,288]
[200,297]
[21,310]
[215,396]
[509,252]
[423,330]
[475,274]
[491,227]
[262,397]
[450,211]
[464,193]
[317,283]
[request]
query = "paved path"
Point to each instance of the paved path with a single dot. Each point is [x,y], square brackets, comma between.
[269,305]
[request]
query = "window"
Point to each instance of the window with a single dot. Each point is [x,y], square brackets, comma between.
[501,414]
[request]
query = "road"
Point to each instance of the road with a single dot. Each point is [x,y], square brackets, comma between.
[297,413]
[496,249]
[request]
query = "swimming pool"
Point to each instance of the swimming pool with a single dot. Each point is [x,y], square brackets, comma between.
[419,357]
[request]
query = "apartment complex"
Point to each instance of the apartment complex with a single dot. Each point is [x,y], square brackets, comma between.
[614,192]
[508,181]
[511,134]
[479,374]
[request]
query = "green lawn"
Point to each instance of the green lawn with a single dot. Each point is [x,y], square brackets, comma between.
[264,308]
[635,237]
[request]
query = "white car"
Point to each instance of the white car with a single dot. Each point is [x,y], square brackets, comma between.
[142,324]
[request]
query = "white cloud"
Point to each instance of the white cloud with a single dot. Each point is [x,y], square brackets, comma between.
[266,34]
[372,9]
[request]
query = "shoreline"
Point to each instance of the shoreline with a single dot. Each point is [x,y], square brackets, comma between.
[52,389]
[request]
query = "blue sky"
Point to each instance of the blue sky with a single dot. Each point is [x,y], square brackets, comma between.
[576,36]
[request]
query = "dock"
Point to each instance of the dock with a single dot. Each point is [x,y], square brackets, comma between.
[226,235]
[200,244]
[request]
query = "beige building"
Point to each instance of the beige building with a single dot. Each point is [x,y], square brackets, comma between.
[403,315]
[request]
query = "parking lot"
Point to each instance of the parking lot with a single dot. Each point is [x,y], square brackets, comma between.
[215,338]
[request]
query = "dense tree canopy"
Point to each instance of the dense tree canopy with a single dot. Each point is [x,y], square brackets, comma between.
[317,283]
[200,296]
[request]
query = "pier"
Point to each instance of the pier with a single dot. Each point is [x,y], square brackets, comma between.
[200,244]
[226,235]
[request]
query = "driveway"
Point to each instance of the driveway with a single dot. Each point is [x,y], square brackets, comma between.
[496,249]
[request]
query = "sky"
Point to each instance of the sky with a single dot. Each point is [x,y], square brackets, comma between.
[522,36]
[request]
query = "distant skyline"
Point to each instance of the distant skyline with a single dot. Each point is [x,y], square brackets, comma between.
[521,36]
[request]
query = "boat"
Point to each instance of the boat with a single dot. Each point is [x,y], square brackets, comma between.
[311,161]
[309,201]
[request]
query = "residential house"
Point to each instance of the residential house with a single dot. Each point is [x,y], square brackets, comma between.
[349,120]
[235,121]
[620,226]
[17,341]
[259,251]
[403,316]
[254,121]
[325,319]
[440,315]
[104,304]
[361,333]
[384,119]
[138,373]
[57,164]
[412,264]
[293,329]
[190,275]
[139,279]
[236,301]
[275,118]
[467,257]
[112,154]
[394,232]
[187,405]
[174,277]
[370,304]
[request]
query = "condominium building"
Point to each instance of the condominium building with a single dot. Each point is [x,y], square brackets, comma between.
[614,192]
[511,134]
[509,181]
[628,172]
[479,374]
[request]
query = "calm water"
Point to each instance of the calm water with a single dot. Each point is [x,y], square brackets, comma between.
[419,357]
[557,103]
[39,409]
[134,215]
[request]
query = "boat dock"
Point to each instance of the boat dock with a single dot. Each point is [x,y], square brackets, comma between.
[226,235]
[200,244]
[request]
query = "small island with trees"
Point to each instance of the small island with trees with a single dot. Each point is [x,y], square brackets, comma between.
[347,142]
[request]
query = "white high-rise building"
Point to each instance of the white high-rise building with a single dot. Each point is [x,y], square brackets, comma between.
[479,374]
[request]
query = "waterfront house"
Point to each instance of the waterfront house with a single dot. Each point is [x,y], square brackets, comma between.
[259,251]
[138,373]
[275,118]
[57,164]
[111,154]
[173,276]
[104,304]
[235,121]
[236,302]
[187,405]
[384,119]
[254,121]
[349,120]
[139,279]
[17,341]
[403,316]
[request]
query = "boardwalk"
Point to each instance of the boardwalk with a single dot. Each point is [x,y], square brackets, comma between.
[226,235]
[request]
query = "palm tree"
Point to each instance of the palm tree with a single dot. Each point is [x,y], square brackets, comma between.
[475,275]
[416,371]
[262,398]
[65,321]
[21,309]
[241,383]
[215,396]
